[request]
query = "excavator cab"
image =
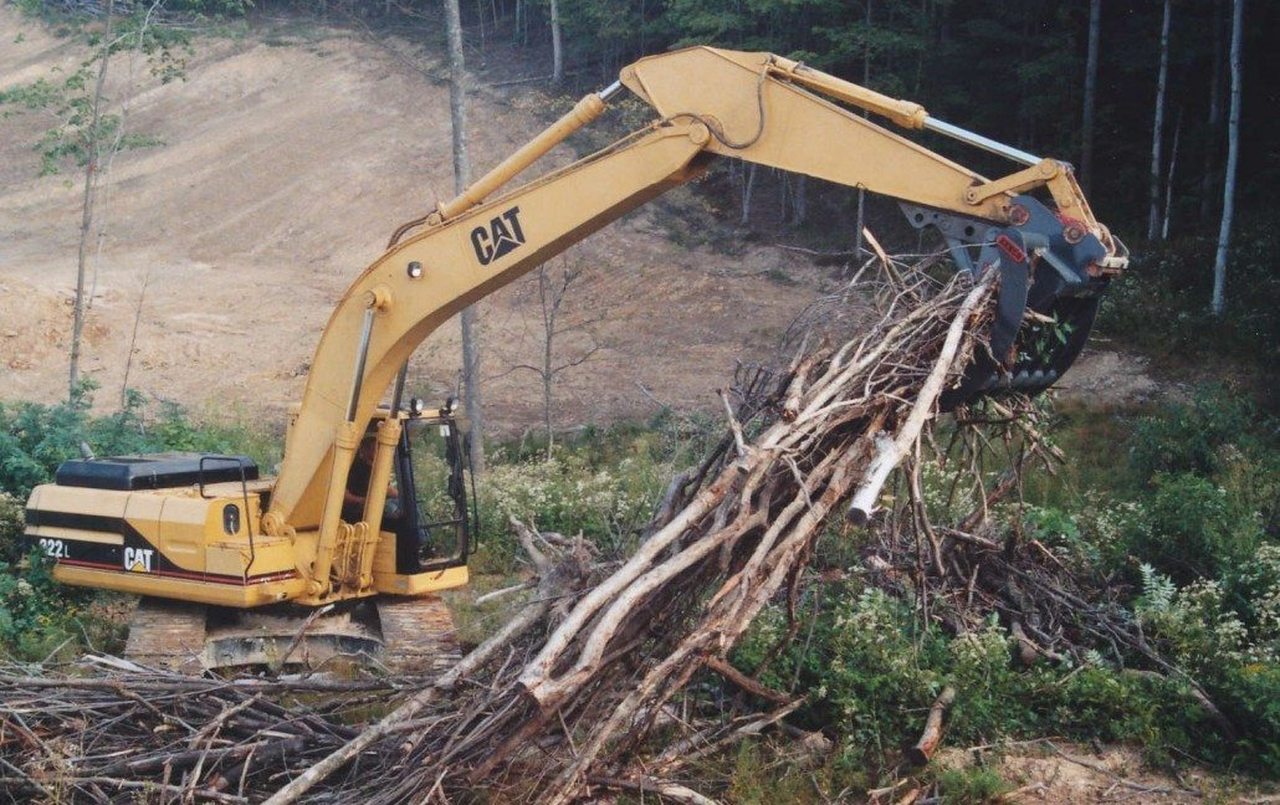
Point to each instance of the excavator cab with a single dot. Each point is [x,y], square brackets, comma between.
[433,519]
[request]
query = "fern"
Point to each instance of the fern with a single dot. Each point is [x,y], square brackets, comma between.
[1158,591]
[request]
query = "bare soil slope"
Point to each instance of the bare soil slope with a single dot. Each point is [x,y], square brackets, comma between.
[281,171]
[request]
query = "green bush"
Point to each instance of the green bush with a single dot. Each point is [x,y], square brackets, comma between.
[873,671]
[604,484]
[972,786]
[1236,660]
[1205,436]
[1204,490]
[36,438]
[1162,303]
[1249,696]
[39,618]
[566,494]
[1196,529]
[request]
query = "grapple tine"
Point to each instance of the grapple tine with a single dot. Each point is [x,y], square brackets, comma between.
[1048,265]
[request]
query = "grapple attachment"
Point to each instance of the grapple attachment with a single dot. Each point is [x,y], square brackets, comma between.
[1051,283]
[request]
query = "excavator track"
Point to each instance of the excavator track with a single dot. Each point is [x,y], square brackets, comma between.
[418,635]
[403,636]
[168,635]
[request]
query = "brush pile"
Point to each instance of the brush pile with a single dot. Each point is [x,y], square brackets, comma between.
[555,706]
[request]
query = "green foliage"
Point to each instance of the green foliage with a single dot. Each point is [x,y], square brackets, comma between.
[1249,695]
[1063,531]
[873,671]
[754,783]
[87,128]
[1206,436]
[566,494]
[971,786]
[604,484]
[1210,475]
[1234,655]
[40,619]
[1162,305]
[36,438]
[1195,530]
[10,529]
[1193,623]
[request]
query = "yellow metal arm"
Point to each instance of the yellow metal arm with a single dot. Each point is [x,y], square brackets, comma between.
[749,106]
[460,261]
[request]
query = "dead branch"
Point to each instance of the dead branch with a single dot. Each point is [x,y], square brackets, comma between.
[931,738]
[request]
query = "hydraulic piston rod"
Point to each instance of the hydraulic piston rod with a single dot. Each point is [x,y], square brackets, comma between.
[978,141]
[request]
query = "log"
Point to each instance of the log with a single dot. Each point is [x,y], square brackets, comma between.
[931,738]
[741,680]
[891,451]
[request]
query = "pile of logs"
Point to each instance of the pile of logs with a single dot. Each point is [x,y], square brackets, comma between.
[556,704]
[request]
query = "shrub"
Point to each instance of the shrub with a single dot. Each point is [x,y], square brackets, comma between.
[566,493]
[1162,304]
[36,438]
[1249,696]
[39,618]
[1196,529]
[971,786]
[1203,436]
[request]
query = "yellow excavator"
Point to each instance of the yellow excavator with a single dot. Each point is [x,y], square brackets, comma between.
[207,535]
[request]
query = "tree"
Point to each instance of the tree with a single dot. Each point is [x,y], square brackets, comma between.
[91,126]
[1233,155]
[1157,136]
[461,178]
[860,218]
[1168,183]
[90,190]
[1090,93]
[1213,123]
[557,50]
[552,292]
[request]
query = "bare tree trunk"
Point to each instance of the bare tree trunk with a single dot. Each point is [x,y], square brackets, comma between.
[1233,156]
[461,178]
[1168,184]
[1157,136]
[549,312]
[1090,94]
[747,187]
[86,215]
[800,201]
[861,217]
[1214,128]
[557,51]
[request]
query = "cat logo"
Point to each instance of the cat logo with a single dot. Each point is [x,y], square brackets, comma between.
[138,559]
[502,236]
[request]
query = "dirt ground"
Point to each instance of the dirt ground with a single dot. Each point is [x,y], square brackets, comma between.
[283,165]
[1054,771]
